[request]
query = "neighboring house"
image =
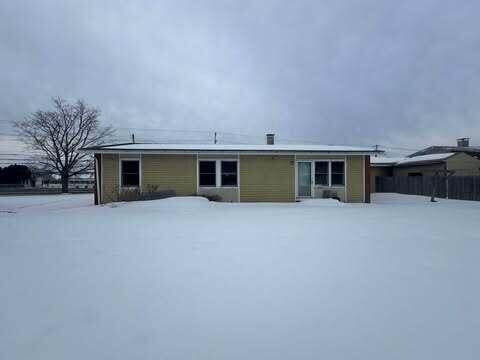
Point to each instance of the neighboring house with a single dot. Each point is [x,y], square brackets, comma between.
[41,177]
[428,165]
[239,173]
[463,160]
[84,182]
[463,145]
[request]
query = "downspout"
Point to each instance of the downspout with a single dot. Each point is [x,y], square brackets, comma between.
[238,176]
[97,180]
[446,178]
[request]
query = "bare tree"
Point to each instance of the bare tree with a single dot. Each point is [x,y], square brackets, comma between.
[58,135]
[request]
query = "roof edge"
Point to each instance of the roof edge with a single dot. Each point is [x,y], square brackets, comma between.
[216,152]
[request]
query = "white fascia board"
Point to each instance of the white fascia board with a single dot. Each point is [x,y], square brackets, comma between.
[212,152]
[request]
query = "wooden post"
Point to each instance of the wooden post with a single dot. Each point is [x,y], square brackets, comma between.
[447,174]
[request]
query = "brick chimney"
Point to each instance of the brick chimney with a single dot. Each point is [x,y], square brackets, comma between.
[463,142]
[270,139]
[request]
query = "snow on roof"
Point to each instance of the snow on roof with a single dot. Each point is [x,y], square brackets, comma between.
[425,158]
[231,147]
[382,160]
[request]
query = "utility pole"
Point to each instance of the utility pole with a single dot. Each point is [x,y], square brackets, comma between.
[133,138]
[376,150]
[215,137]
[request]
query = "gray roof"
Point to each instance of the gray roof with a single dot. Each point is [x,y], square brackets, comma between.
[471,150]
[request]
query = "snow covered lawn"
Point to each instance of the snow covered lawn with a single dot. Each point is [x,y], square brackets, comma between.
[184,278]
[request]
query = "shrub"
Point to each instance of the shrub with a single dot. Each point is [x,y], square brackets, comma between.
[151,193]
[210,197]
[329,194]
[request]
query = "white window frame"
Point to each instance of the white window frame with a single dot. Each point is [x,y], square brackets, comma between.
[218,173]
[120,178]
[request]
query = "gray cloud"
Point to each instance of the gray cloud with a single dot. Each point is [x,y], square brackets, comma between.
[348,72]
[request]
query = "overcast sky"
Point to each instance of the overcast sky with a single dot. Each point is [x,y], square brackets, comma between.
[400,73]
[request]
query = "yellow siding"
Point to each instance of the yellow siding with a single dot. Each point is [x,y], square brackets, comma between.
[110,178]
[355,179]
[170,172]
[425,170]
[267,178]
[464,165]
[262,178]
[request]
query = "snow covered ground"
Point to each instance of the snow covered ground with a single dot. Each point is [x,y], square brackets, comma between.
[184,278]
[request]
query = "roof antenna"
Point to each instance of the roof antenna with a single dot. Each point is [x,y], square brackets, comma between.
[133,138]
[215,137]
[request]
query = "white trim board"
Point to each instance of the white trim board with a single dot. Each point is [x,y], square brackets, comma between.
[230,153]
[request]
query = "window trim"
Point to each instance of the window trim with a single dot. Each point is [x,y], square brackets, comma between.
[218,173]
[344,186]
[120,166]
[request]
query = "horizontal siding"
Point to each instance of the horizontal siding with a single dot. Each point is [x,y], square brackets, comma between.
[110,178]
[170,172]
[355,179]
[464,165]
[425,170]
[267,178]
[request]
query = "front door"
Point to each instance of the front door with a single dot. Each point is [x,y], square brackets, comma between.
[304,181]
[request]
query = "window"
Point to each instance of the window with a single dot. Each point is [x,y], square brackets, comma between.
[338,173]
[207,173]
[229,173]
[217,173]
[130,173]
[321,173]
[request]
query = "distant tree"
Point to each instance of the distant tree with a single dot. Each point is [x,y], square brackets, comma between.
[58,134]
[15,174]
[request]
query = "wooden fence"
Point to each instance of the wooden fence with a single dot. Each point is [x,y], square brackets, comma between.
[455,187]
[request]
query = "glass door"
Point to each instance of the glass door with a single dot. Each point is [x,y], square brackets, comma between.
[304,181]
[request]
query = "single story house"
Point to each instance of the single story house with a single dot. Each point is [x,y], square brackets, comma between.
[463,146]
[236,173]
[462,164]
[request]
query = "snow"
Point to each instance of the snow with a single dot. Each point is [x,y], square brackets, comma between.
[425,158]
[40,203]
[383,160]
[232,147]
[184,278]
